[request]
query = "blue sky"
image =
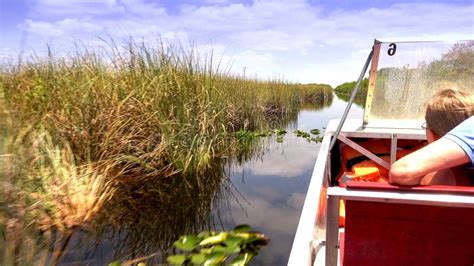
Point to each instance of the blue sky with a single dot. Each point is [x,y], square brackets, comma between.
[296,40]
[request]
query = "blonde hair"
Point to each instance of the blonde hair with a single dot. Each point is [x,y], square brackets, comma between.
[447,109]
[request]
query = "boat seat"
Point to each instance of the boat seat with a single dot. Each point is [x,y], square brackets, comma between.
[383,233]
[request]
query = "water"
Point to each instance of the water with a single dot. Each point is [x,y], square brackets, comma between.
[273,187]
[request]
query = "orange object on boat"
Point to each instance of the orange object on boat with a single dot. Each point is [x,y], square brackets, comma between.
[365,171]
[342,213]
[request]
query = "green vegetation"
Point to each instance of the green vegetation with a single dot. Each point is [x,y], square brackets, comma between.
[245,136]
[133,137]
[315,93]
[456,65]
[344,92]
[239,246]
[315,132]
[316,96]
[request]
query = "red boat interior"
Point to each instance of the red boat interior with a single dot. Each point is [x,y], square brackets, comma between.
[379,233]
[400,234]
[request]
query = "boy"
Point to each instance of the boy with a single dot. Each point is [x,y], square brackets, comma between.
[450,134]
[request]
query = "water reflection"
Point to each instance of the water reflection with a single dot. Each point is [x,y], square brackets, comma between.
[141,222]
[359,101]
[272,191]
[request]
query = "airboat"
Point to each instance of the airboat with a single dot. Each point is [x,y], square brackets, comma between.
[356,221]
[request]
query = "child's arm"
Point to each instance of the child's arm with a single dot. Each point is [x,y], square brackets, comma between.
[441,154]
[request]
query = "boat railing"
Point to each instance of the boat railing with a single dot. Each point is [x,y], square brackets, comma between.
[441,196]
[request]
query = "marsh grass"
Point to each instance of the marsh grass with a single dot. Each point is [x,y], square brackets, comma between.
[45,198]
[132,137]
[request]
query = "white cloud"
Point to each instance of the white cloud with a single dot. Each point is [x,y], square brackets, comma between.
[216,1]
[253,63]
[142,8]
[42,28]
[45,8]
[270,38]
[65,27]
[6,55]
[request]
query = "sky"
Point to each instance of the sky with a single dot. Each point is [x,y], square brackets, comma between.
[304,41]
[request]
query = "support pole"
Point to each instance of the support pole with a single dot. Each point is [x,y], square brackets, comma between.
[332,230]
[351,100]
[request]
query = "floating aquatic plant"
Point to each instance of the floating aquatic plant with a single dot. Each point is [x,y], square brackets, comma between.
[279,132]
[246,136]
[303,134]
[237,247]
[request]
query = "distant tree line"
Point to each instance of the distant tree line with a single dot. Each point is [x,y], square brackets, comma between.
[344,91]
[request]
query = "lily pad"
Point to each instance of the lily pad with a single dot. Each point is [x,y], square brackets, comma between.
[233,241]
[206,251]
[226,249]
[259,239]
[263,134]
[241,228]
[216,248]
[187,243]
[215,258]
[204,234]
[300,133]
[232,250]
[176,259]
[242,259]
[198,259]
[212,240]
[280,132]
